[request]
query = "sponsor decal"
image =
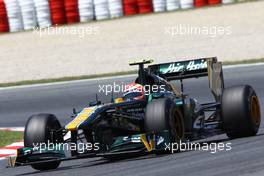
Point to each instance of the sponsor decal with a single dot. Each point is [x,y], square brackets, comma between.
[135,139]
[198,123]
[160,140]
[180,66]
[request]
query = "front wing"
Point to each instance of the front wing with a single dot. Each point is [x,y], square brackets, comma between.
[122,147]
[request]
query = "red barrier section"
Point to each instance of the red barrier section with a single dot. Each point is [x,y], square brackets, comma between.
[145,6]
[57,11]
[200,3]
[71,10]
[212,2]
[4,26]
[130,7]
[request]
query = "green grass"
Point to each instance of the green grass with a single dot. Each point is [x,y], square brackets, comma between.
[41,81]
[9,137]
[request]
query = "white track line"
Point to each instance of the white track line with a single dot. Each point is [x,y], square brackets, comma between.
[66,82]
[21,129]
[19,144]
[242,65]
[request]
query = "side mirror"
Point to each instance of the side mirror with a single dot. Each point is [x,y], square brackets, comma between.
[94,103]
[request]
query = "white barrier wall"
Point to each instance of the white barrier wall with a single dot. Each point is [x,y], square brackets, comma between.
[186,4]
[28,13]
[115,8]
[43,13]
[228,1]
[172,5]
[159,5]
[14,15]
[101,9]
[86,11]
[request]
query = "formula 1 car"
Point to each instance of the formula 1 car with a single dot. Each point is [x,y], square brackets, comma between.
[151,114]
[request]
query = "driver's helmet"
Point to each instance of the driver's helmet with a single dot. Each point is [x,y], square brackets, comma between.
[133,91]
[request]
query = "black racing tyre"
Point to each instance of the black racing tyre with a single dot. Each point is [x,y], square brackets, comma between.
[163,114]
[37,131]
[240,111]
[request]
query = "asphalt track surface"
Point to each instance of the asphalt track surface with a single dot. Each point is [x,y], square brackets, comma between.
[245,158]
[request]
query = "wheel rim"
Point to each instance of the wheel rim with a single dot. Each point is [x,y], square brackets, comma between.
[176,124]
[255,110]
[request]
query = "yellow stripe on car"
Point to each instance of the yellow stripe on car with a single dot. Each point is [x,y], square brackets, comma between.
[119,100]
[148,146]
[81,117]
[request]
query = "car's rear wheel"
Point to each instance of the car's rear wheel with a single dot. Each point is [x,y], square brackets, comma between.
[240,111]
[163,114]
[37,131]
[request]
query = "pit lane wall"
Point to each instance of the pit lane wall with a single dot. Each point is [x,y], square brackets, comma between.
[231,32]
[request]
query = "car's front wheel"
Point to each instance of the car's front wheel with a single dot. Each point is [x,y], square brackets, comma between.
[37,131]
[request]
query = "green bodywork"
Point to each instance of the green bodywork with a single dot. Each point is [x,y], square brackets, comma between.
[133,142]
[28,154]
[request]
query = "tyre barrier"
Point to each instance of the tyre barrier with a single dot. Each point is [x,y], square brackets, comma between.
[43,13]
[57,12]
[101,9]
[214,2]
[17,15]
[159,5]
[28,14]
[86,11]
[200,3]
[4,26]
[130,7]
[145,6]
[14,15]
[115,8]
[186,4]
[71,11]
[172,5]
[228,1]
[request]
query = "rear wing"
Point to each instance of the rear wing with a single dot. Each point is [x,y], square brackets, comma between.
[193,69]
